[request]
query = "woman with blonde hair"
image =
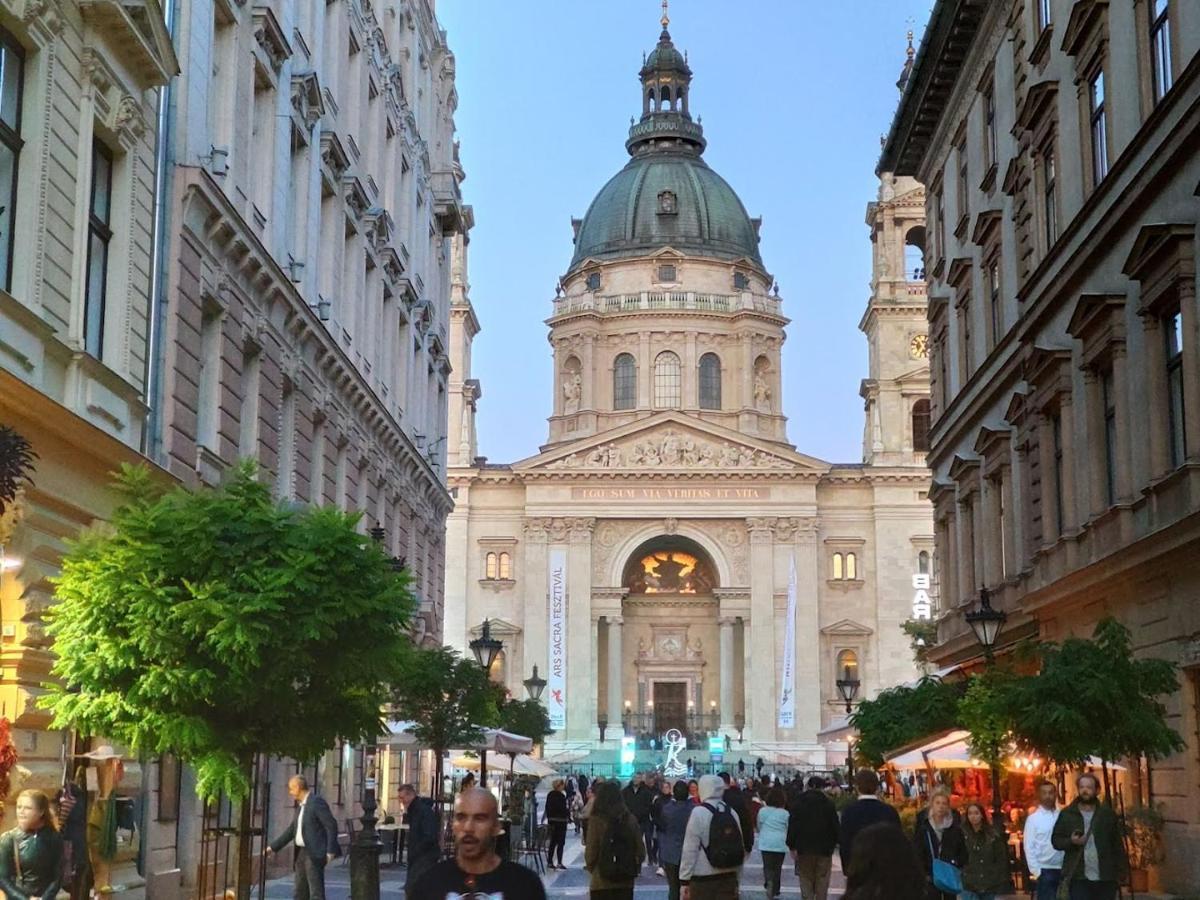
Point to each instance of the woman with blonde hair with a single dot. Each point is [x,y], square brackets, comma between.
[557,814]
[939,836]
[31,854]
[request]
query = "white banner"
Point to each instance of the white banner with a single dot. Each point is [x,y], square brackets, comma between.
[557,682]
[787,689]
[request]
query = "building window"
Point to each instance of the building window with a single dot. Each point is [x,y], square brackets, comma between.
[667,380]
[666,273]
[1049,198]
[12,86]
[920,426]
[851,567]
[844,567]
[991,284]
[99,235]
[710,381]
[741,282]
[847,665]
[1109,403]
[939,224]
[1173,328]
[923,562]
[1160,47]
[593,281]
[839,567]
[991,145]
[1043,14]
[1056,446]
[1002,523]
[497,566]
[624,382]
[966,354]
[1098,117]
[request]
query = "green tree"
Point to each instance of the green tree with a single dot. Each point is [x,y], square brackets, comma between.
[16,462]
[449,699]
[526,717]
[221,624]
[1093,697]
[986,711]
[903,714]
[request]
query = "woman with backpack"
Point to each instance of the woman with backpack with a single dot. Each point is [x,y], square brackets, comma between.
[986,873]
[614,851]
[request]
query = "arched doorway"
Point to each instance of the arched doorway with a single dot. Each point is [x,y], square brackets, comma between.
[670,670]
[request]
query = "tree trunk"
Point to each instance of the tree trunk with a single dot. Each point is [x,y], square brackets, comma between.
[245,861]
[1107,783]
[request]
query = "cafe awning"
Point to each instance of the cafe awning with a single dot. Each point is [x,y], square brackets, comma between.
[521,764]
[949,751]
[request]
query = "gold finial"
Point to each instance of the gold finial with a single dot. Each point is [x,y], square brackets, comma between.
[666,16]
[910,52]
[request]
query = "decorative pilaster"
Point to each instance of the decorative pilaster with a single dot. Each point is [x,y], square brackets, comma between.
[536,608]
[725,623]
[615,669]
[761,692]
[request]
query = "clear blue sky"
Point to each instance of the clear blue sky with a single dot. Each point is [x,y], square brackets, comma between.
[794,95]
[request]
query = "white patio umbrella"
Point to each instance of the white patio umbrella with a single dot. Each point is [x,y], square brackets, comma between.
[522,764]
[500,742]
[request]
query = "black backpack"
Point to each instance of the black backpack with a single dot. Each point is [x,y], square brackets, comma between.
[724,848]
[618,853]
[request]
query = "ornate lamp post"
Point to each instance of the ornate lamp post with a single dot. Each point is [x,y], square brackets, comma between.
[534,685]
[848,691]
[485,648]
[987,623]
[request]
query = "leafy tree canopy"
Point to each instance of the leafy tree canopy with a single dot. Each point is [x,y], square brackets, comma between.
[16,462]
[221,623]
[903,714]
[448,698]
[526,717]
[985,710]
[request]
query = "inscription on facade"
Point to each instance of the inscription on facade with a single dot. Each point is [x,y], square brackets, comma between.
[725,494]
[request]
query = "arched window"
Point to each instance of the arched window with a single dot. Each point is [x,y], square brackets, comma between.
[624,382]
[710,381]
[914,253]
[665,97]
[920,426]
[839,570]
[666,380]
[491,566]
[851,567]
[505,568]
[923,562]
[847,666]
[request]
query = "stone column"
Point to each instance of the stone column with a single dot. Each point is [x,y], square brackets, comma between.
[1093,415]
[987,534]
[808,627]
[1019,497]
[1124,461]
[1156,385]
[726,625]
[581,644]
[615,667]
[587,399]
[535,607]
[1070,464]
[1050,526]
[762,695]
[966,551]
[645,371]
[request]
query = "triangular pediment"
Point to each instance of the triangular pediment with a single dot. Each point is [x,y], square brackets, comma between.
[846,628]
[671,441]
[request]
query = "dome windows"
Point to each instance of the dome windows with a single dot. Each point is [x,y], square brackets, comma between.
[710,381]
[667,273]
[741,281]
[624,382]
[667,380]
[593,281]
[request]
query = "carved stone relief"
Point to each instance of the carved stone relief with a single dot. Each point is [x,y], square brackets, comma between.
[672,450]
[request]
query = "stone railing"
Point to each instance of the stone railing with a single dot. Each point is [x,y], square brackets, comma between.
[655,301]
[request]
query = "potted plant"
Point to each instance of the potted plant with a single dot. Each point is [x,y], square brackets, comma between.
[1143,837]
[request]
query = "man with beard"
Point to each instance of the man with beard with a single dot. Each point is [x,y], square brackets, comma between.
[1089,834]
[476,871]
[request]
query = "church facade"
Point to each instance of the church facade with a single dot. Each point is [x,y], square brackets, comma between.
[668,559]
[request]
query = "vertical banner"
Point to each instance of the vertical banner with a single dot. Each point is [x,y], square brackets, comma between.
[787,689]
[557,682]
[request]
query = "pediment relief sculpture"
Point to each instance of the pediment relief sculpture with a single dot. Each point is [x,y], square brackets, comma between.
[672,449]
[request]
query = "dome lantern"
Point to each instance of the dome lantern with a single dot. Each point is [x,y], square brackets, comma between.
[666,119]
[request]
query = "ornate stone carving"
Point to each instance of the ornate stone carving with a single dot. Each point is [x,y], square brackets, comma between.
[572,391]
[130,118]
[670,525]
[672,450]
[761,529]
[581,529]
[762,393]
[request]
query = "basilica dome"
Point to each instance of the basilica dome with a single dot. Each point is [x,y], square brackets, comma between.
[666,196]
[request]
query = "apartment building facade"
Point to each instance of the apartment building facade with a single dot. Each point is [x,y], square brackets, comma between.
[1057,140]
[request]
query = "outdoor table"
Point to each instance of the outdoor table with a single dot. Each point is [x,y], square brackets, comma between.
[393,831]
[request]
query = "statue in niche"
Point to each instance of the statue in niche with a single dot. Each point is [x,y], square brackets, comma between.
[572,392]
[762,393]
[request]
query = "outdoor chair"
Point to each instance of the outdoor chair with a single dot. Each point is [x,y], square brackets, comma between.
[349,841]
[531,851]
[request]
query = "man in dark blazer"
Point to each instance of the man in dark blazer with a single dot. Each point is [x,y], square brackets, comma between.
[314,836]
[868,809]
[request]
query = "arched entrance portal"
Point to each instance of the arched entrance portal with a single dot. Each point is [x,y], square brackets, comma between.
[670,676]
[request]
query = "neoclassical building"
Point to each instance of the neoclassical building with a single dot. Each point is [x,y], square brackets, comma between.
[641,558]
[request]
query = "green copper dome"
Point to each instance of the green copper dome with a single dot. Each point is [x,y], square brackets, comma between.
[666,196]
[632,215]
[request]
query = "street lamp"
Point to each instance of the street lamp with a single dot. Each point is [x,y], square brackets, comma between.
[486,648]
[534,685]
[848,691]
[987,623]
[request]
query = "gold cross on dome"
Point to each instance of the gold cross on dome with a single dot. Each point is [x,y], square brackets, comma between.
[666,17]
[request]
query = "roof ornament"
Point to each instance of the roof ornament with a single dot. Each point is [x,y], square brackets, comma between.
[666,16]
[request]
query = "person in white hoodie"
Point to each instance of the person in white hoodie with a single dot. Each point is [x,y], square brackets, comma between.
[699,878]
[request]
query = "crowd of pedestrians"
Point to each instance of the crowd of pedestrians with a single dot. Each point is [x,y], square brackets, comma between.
[698,834]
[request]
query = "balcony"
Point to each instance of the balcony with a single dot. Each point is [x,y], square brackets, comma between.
[666,301]
[447,201]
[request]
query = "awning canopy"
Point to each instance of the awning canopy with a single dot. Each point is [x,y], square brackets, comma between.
[522,764]
[499,741]
[949,751]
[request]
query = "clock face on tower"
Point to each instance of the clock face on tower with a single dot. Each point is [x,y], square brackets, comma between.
[918,347]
